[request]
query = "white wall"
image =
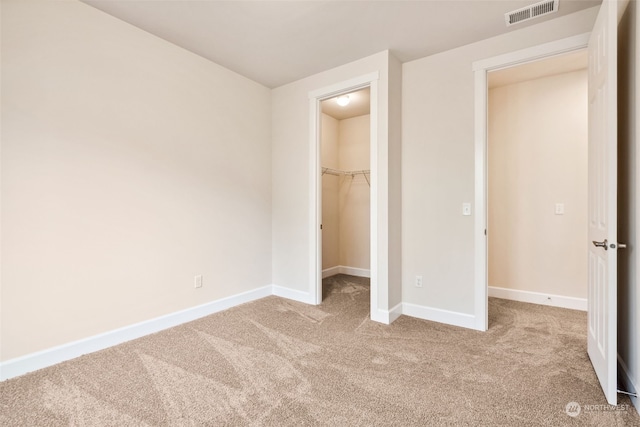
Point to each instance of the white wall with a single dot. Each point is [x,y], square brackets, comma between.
[354,196]
[438,163]
[291,175]
[629,199]
[537,157]
[330,193]
[129,165]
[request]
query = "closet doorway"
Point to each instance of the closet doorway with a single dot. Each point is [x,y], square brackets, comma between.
[537,165]
[345,159]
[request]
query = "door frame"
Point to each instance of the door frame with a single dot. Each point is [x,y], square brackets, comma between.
[315,209]
[480,70]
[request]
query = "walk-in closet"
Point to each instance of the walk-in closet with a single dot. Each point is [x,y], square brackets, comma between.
[346,183]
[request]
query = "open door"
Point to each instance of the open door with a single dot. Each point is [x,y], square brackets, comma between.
[602,292]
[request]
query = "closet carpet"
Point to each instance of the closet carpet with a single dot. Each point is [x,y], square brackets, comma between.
[275,362]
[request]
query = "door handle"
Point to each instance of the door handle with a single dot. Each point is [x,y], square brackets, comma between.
[601,244]
[620,246]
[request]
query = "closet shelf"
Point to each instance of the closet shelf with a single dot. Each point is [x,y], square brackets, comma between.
[338,172]
[352,174]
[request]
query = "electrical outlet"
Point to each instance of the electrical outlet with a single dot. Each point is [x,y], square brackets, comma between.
[198,281]
[418,281]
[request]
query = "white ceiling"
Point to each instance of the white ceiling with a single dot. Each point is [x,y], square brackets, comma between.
[277,42]
[566,63]
[359,105]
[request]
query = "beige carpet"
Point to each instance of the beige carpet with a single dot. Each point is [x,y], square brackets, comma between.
[276,362]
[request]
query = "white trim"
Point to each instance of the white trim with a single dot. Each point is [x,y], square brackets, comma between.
[437,315]
[552,300]
[557,47]
[347,85]
[315,183]
[374,199]
[387,316]
[355,271]
[628,384]
[395,312]
[480,68]
[341,269]
[380,316]
[315,202]
[292,294]
[328,272]
[481,307]
[51,356]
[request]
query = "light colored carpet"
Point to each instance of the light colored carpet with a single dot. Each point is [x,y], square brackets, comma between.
[275,362]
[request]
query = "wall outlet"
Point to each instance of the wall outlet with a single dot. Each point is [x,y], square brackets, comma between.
[197,283]
[559,208]
[418,281]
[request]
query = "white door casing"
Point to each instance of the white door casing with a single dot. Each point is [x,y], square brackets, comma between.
[481,68]
[315,263]
[602,195]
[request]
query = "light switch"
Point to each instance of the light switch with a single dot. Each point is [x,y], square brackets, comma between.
[559,208]
[466,209]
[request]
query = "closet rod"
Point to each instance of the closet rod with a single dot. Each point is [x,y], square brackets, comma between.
[337,172]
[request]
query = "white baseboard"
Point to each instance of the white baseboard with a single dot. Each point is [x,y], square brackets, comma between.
[387,316]
[395,312]
[539,298]
[328,272]
[437,315]
[292,294]
[354,271]
[341,269]
[628,384]
[42,359]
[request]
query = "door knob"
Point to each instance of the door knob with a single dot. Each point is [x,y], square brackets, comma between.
[601,244]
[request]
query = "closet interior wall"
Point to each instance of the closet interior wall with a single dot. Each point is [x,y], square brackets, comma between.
[538,185]
[345,199]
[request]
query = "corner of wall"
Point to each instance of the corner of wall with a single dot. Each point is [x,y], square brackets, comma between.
[395,181]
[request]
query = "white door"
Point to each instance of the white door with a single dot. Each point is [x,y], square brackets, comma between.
[602,297]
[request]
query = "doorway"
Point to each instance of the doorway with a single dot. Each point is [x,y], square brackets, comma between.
[537,164]
[345,142]
[481,69]
[315,189]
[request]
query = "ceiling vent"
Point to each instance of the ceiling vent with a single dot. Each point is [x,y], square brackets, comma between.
[530,12]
